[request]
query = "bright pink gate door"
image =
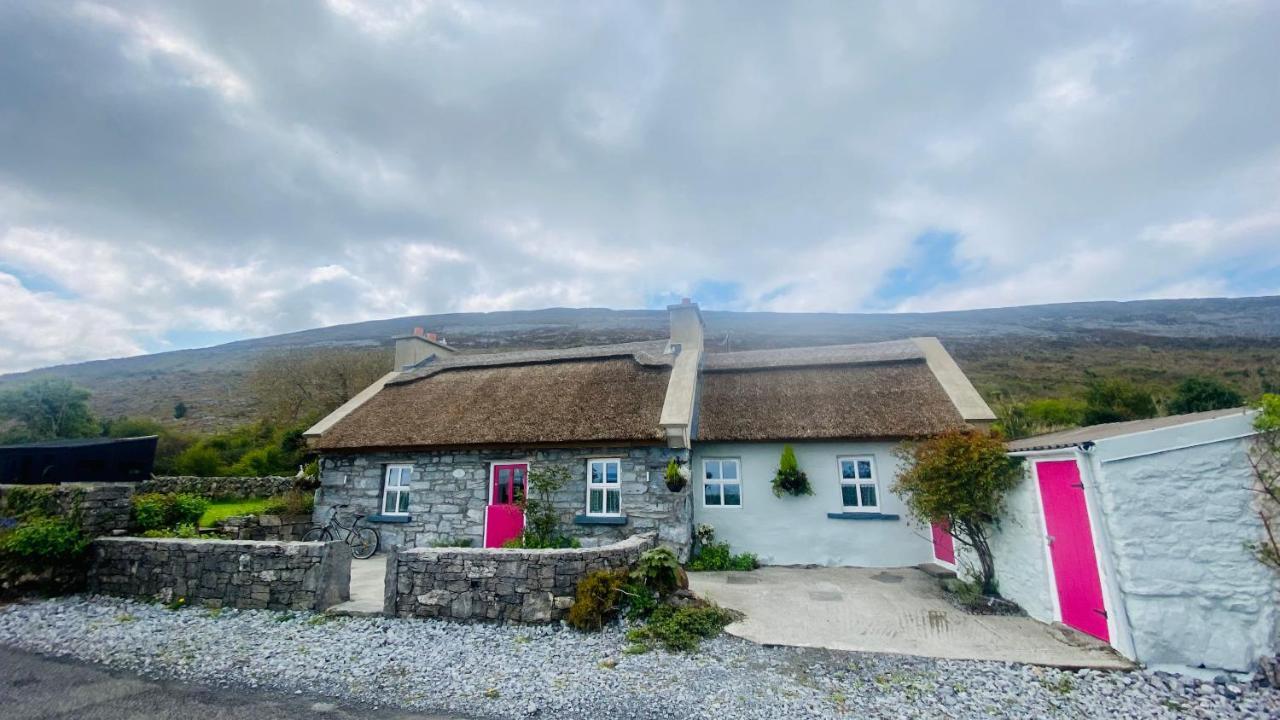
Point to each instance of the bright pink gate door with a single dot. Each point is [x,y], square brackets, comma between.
[944,548]
[504,518]
[1075,565]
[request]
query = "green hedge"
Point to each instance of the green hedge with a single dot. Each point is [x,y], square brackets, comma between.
[161,511]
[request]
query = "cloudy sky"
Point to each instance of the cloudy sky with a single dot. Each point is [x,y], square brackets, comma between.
[179,174]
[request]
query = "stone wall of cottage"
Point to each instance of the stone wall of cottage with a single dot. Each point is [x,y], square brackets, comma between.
[103,508]
[222,573]
[529,586]
[449,491]
[228,488]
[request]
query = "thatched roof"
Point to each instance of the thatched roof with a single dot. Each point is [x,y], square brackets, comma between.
[801,399]
[602,398]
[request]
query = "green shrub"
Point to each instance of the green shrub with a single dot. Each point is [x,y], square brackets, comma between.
[639,601]
[531,541]
[718,556]
[596,602]
[200,460]
[185,530]
[681,629]
[161,511]
[659,571]
[790,479]
[39,542]
[293,502]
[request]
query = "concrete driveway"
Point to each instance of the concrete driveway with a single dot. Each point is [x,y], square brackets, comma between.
[893,610]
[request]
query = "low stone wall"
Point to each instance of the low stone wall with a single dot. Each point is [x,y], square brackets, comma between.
[532,586]
[266,527]
[223,573]
[229,488]
[103,508]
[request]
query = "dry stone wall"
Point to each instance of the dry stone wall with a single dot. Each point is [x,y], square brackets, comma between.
[266,527]
[223,573]
[103,508]
[229,488]
[529,586]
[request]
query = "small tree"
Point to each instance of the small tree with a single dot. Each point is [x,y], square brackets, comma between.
[960,478]
[542,520]
[1265,458]
[1117,400]
[49,409]
[1197,394]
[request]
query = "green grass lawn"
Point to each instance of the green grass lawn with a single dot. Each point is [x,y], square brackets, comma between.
[222,510]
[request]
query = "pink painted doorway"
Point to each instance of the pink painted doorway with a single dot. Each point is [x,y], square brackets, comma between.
[504,518]
[1075,562]
[944,549]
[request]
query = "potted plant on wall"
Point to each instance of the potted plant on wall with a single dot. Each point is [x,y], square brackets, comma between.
[676,475]
[790,479]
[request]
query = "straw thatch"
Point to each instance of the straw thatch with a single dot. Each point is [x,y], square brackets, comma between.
[591,399]
[820,402]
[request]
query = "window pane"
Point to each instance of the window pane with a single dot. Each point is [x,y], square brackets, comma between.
[596,503]
[711,494]
[864,469]
[849,495]
[713,469]
[404,501]
[729,469]
[611,472]
[612,500]
[388,503]
[597,474]
[868,495]
[732,494]
[847,470]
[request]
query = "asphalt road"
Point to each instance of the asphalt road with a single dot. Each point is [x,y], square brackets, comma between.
[35,686]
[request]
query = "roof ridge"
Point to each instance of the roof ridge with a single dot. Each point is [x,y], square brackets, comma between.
[645,352]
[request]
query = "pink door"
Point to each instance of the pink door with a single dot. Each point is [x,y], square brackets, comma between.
[1075,565]
[504,518]
[944,548]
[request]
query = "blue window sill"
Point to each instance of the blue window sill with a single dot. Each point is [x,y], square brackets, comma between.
[388,518]
[861,516]
[599,520]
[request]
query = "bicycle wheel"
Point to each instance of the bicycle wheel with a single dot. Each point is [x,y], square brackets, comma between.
[318,534]
[364,543]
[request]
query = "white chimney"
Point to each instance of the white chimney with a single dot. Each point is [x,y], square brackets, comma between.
[682,388]
[419,347]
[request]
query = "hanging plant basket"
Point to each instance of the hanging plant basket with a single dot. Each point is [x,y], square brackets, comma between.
[790,479]
[676,475]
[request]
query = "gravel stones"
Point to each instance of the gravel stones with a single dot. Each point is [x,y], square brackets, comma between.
[518,671]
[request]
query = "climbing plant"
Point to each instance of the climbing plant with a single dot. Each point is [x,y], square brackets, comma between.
[1265,459]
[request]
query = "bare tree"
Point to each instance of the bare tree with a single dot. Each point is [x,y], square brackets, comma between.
[1265,458]
[306,384]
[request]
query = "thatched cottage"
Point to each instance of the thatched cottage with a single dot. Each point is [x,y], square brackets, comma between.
[439,450]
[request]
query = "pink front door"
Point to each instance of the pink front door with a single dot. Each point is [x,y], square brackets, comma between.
[944,548]
[1075,565]
[504,518]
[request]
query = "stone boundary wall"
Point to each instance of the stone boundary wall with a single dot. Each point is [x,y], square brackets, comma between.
[223,573]
[266,527]
[530,586]
[103,508]
[231,488]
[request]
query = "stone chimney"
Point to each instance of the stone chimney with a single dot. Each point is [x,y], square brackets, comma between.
[681,402]
[418,348]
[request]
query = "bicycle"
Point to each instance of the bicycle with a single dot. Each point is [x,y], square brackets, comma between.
[363,541]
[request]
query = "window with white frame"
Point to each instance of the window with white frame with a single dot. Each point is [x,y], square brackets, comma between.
[604,487]
[395,490]
[721,482]
[858,489]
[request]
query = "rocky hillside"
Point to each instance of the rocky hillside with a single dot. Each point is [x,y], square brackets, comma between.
[1018,352]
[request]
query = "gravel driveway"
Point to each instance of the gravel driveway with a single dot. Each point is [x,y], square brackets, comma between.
[520,671]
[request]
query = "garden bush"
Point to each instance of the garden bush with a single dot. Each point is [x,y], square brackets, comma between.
[659,571]
[293,502]
[790,479]
[160,511]
[597,600]
[38,542]
[681,629]
[185,530]
[717,556]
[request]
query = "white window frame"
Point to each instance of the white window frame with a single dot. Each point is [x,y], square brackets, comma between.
[404,472]
[858,483]
[604,487]
[702,484]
